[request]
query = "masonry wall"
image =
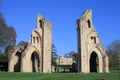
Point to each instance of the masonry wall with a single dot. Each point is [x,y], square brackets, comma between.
[47,47]
[88,42]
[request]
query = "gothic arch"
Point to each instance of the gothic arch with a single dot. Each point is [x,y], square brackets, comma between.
[92,30]
[93,62]
[89,23]
[100,59]
[35,59]
[14,60]
[92,35]
[26,58]
[39,45]
[37,38]
[38,33]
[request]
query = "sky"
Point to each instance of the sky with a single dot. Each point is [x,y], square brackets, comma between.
[63,15]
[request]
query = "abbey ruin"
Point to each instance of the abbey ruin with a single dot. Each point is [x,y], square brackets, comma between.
[92,56]
[36,56]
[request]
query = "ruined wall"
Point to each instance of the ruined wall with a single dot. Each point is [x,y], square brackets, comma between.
[88,44]
[35,57]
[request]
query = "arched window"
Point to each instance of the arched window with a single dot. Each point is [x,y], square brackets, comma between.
[33,39]
[41,23]
[91,37]
[37,39]
[94,39]
[89,23]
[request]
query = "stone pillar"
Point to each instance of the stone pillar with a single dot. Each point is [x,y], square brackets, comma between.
[106,65]
[11,66]
[100,65]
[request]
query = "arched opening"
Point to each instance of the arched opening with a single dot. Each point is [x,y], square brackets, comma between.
[17,66]
[33,39]
[91,40]
[89,23]
[35,62]
[94,40]
[94,62]
[41,23]
[37,39]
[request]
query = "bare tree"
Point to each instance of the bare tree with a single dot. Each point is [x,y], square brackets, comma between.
[7,38]
[113,52]
[7,34]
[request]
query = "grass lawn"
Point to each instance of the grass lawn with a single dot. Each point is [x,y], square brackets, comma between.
[114,75]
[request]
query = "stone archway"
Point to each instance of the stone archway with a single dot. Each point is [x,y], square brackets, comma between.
[97,57]
[31,60]
[36,56]
[35,62]
[89,46]
[17,66]
[94,62]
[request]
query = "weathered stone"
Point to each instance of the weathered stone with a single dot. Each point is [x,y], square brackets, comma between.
[35,57]
[92,56]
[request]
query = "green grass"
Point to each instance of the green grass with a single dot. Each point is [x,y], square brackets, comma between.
[114,75]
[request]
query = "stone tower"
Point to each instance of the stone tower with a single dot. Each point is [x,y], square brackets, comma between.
[92,56]
[36,56]
[41,39]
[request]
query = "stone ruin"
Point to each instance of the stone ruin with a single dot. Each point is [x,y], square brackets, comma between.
[92,56]
[36,56]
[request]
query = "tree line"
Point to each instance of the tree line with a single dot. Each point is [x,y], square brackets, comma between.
[7,37]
